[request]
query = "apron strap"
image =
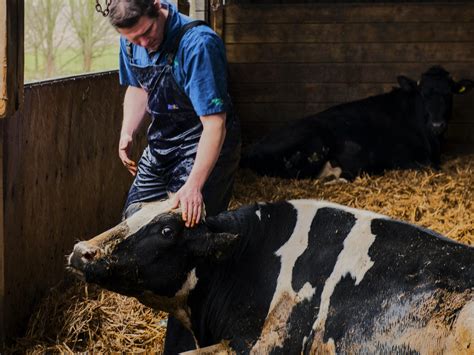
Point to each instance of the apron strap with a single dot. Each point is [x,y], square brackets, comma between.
[129,48]
[174,48]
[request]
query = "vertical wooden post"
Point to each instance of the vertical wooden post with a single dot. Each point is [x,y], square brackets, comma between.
[11,96]
[11,56]
[2,246]
[3,110]
[216,16]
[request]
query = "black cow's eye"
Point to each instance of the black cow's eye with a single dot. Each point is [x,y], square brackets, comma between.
[167,232]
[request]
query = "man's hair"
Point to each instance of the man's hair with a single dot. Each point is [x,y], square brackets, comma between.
[126,13]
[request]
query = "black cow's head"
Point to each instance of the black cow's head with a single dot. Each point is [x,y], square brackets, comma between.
[436,89]
[150,252]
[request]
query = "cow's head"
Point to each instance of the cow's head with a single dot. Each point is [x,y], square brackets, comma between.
[150,252]
[436,89]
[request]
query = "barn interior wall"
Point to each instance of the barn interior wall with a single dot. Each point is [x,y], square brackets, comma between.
[291,60]
[63,181]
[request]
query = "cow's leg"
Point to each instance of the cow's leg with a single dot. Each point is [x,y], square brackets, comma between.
[330,171]
[178,338]
[353,159]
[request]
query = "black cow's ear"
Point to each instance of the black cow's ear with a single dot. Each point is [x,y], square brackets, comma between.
[463,86]
[215,246]
[406,83]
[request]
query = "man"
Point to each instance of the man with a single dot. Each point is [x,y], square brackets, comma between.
[175,70]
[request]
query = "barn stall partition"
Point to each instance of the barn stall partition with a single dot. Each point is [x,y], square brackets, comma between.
[62,179]
[289,59]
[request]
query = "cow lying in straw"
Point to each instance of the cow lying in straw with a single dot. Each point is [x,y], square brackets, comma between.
[299,276]
[402,129]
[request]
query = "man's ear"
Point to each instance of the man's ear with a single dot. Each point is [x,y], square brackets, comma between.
[406,83]
[210,245]
[462,86]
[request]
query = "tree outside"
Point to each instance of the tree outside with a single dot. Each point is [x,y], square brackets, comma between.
[67,38]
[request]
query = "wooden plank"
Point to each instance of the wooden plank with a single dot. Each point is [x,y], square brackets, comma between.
[458,133]
[350,13]
[351,52]
[350,33]
[311,92]
[277,111]
[337,72]
[463,112]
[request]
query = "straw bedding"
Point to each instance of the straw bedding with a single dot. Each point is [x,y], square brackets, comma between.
[76,317]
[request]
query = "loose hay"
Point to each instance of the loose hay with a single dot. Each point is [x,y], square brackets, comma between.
[78,318]
[438,200]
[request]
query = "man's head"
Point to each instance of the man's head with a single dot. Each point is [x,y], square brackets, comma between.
[140,21]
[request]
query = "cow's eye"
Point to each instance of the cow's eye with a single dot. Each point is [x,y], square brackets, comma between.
[167,232]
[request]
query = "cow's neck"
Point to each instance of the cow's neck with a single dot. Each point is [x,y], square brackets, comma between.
[176,305]
[214,317]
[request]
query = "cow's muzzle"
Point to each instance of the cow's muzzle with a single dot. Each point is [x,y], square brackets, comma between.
[82,255]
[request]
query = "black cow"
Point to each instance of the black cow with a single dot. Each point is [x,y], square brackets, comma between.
[292,277]
[401,129]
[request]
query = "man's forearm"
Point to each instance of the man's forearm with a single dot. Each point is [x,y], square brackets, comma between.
[134,108]
[209,148]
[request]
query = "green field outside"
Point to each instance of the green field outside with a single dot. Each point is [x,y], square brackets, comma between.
[69,62]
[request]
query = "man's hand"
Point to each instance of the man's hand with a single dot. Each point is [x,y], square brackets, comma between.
[125,148]
[189,196]
[190,199]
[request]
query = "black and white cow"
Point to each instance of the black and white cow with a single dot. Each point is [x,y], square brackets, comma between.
[301,276]
[401,129]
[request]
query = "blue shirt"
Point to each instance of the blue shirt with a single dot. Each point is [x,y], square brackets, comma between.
[200,65]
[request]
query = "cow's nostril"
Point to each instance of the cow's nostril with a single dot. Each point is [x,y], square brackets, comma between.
[89,255]
[85,252]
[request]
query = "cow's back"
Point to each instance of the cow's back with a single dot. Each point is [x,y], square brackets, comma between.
[371,135]
[353,280]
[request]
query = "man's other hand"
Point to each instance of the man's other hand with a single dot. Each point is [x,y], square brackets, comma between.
[125,148]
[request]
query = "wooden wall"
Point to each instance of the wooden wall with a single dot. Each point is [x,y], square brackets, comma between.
[291,60]
[63,181]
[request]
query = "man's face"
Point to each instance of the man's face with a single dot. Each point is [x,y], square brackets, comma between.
[147,32]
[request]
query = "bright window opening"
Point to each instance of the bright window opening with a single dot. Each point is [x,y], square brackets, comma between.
[67,37]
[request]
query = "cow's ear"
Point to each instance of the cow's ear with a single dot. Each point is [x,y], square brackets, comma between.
[406,83]
[463,86]
[211,245]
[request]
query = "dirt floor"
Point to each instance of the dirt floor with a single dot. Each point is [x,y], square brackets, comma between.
[76,317]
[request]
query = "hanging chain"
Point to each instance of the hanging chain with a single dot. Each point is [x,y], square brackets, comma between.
[98,7]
